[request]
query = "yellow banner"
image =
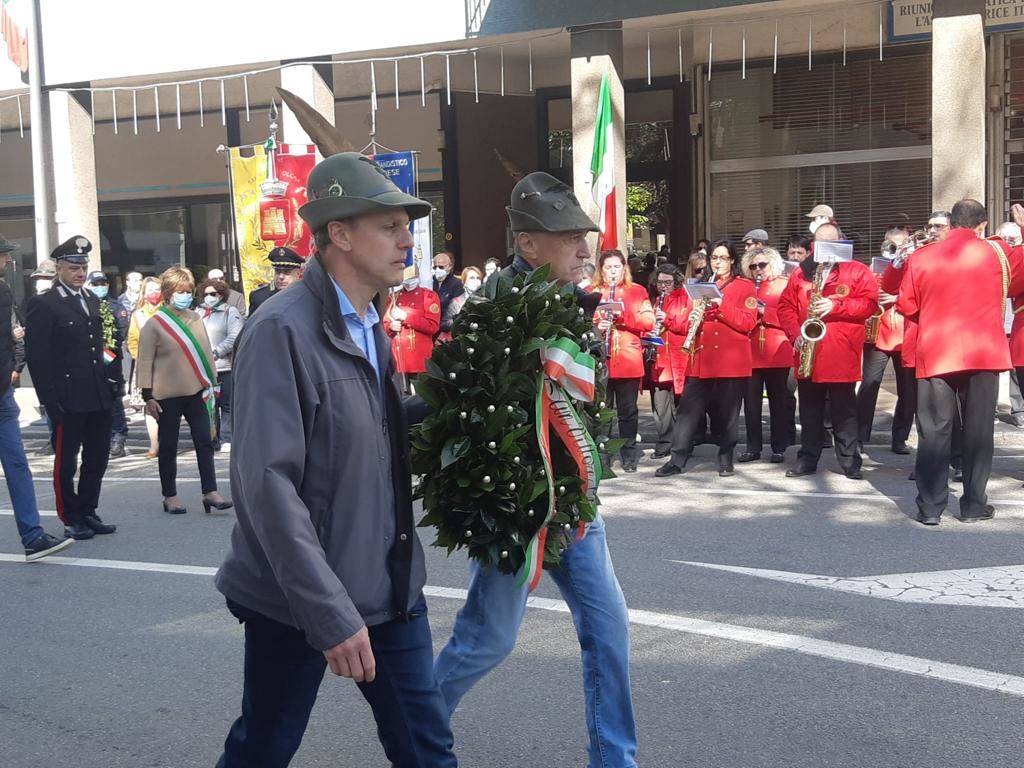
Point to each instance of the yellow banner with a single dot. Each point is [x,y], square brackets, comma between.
[247,173]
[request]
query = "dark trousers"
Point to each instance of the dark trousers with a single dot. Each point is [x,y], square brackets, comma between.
[90,433]
[875,361]
[936,414]
[169,424]
[224,407]
[1016,398]
[842,405]
[726,395]
[283,674]
[119,422]
[774,380]
[663,404]
[623,395]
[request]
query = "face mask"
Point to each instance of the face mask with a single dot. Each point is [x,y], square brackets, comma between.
[43,285]
[153,298]
[473,284]
[440,274]
[490,269]
[100,291]
[181,300]
[410,285]
[211,301]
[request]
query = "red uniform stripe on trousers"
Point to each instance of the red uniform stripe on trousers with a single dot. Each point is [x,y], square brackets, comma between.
[58,454]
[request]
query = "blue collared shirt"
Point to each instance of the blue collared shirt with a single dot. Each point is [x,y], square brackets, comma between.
[360,329]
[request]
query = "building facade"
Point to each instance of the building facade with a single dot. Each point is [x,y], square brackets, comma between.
[728,116]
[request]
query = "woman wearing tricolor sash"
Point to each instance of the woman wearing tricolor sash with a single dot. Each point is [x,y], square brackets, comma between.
[176,373]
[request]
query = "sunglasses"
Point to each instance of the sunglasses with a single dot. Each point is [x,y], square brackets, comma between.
[760,265]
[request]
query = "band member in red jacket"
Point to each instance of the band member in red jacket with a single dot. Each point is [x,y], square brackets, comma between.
[961,348]
[658,360]
[848,299]
[772,359]
[412,320]
[720,364]
[888,345]
[628,317]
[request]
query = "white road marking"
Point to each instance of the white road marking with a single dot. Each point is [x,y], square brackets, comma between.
[42,512]
[997,587]
[973,677]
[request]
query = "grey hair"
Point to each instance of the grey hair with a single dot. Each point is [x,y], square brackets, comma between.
[775,264]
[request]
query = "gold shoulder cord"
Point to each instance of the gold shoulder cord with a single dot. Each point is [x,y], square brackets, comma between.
[1004,265]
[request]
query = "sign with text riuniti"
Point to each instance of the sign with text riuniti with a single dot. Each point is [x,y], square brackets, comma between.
[910,20]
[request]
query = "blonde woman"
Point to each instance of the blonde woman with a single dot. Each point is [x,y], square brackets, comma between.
[772,359]
[147,304]
[178,378]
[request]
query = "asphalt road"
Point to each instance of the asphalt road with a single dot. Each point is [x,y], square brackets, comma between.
[108,666]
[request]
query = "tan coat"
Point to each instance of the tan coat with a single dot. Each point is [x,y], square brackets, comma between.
[161,364]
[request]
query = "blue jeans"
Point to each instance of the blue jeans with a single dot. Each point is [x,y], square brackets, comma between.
[487,626]
[16,471]
[283,674]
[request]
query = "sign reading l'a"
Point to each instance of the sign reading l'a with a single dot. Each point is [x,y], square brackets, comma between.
[909,20]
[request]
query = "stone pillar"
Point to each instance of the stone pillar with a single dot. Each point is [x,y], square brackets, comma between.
[597,50]
[76,210]
[314,85]
[958,102]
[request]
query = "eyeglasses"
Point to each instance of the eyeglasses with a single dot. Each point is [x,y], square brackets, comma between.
[937,226]
[668,281]
[760,265]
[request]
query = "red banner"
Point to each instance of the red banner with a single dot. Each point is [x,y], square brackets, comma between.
[294,162]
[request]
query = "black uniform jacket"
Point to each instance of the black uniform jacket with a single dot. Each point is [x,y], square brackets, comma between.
[64,351]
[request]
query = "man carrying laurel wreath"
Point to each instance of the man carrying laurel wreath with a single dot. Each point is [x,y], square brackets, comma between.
[550,229]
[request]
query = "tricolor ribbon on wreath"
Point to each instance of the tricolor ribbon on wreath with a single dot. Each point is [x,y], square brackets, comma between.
[201,366]
[568,374]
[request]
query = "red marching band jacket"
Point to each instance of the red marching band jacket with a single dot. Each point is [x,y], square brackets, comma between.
[723,344]
[673,364]
[954,286]
[891,280]
[768,343]
[414,343]
[854,293]
[890,325]
[625,353]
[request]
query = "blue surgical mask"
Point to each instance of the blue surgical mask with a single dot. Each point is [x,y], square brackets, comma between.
[100,291]
[181,300]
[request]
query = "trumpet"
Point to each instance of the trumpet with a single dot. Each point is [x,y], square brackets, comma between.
[813,329]
[898,253]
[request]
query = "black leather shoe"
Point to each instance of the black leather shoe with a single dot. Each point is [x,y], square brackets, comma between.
[777,458]
[97,525]
[668,469]
[901,448]
[854,474]
[117,449]
[987,514]
[958,475]
[79,532]
[801,471]
[661,454]
[174,510]
[629,465]
[743,458]
[227,504]
[726,471]
[928,519]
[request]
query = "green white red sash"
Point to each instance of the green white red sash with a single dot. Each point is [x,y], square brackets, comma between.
[201,366]
[568,373]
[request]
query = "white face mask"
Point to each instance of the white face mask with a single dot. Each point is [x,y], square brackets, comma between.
[489,269]
[473,284]
[410,285]
[440,273]
[211,301]
[43,285]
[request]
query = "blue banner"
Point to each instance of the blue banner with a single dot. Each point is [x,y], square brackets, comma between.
[400,167]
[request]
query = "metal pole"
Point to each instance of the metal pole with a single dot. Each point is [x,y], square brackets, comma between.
[41,161]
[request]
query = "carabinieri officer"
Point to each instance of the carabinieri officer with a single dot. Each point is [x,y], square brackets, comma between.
[65,353]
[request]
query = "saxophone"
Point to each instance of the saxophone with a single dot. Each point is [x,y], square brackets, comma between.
[871,326]
[813,329]
[690,344]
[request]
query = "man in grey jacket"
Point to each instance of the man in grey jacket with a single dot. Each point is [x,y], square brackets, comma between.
[325,567]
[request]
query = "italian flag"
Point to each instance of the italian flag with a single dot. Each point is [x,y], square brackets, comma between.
[602,170]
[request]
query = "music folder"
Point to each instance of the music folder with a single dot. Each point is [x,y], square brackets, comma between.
[833,251]
[702,291]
